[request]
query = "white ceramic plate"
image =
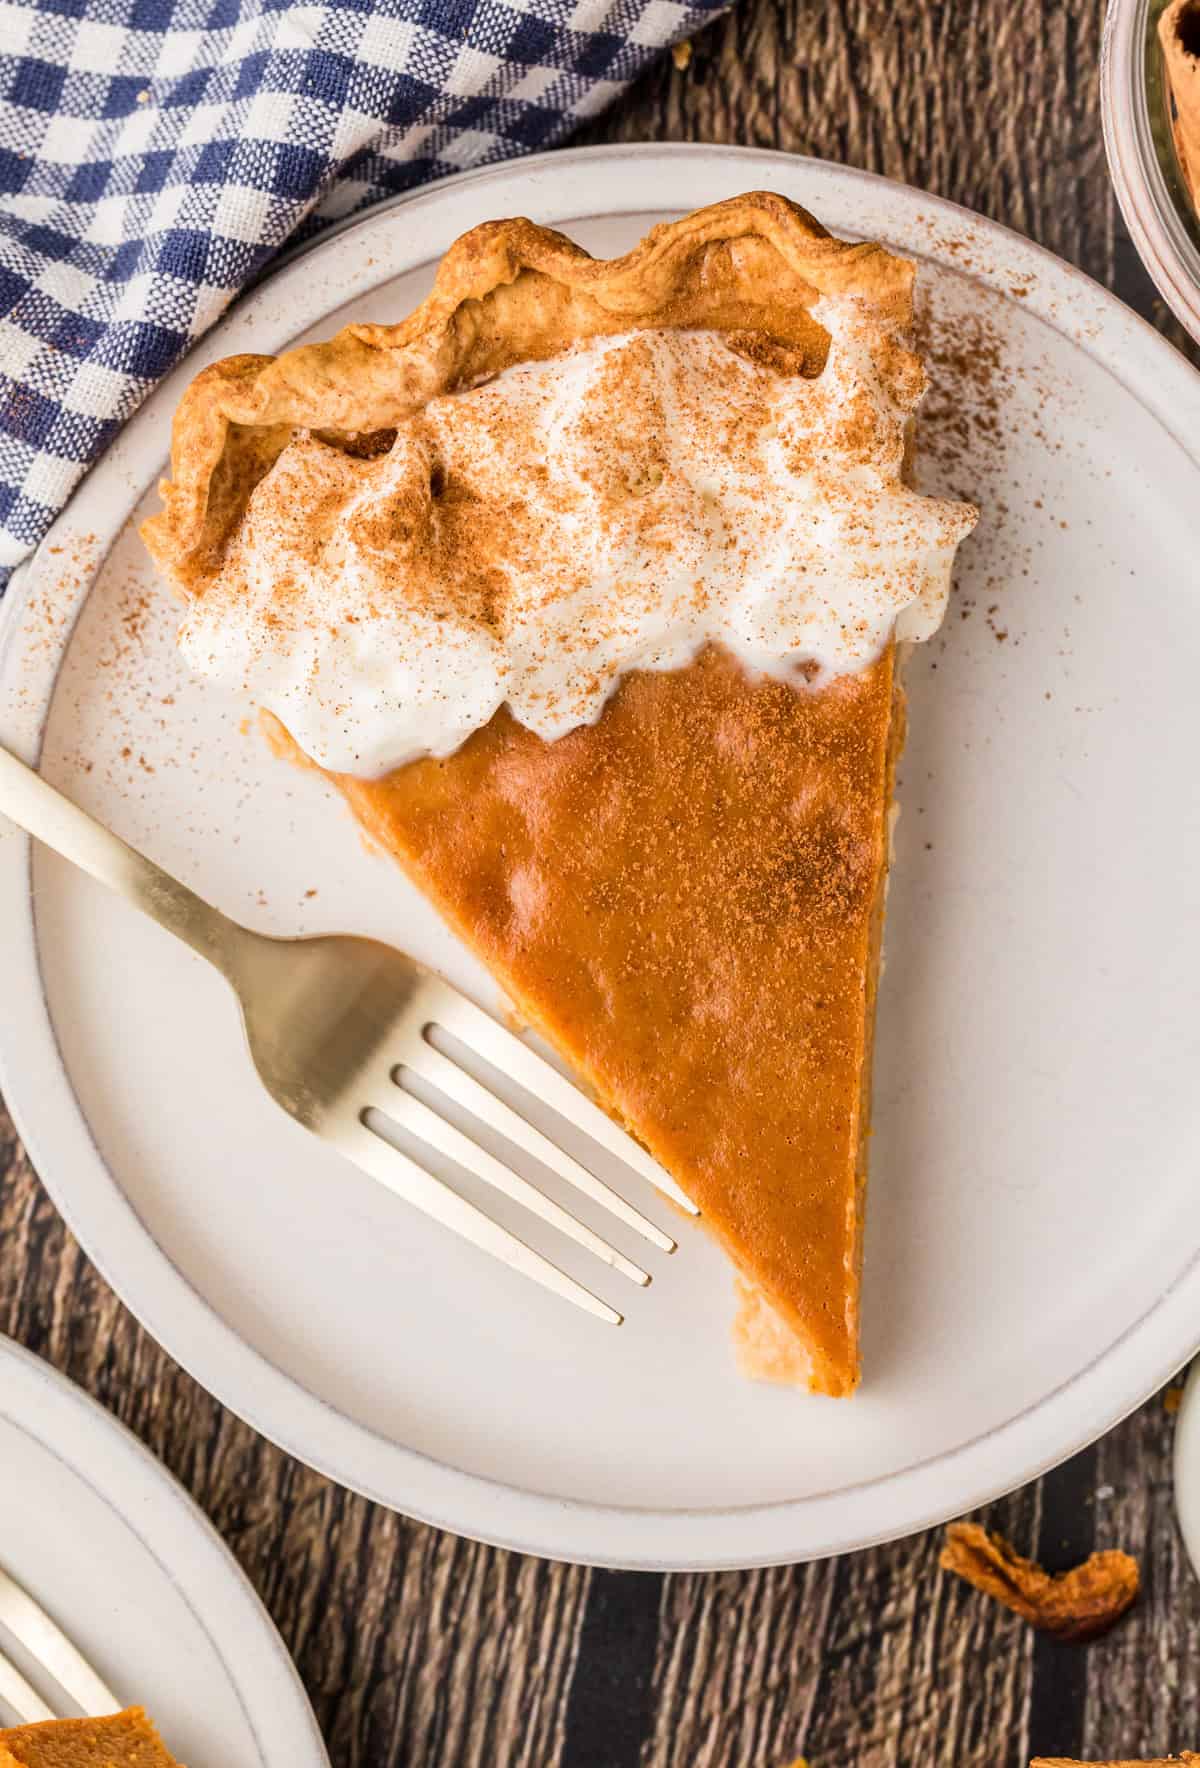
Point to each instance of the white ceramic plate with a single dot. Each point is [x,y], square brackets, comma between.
[1035,1218]
[120,1557]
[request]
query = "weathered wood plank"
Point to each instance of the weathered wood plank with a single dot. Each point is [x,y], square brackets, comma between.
[876,1660]
[996,107]
[1144,1681]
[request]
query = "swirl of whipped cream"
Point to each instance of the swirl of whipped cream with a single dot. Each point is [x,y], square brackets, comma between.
[529,540]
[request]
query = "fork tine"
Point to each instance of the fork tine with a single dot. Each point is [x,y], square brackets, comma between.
[488,1038]
[410,1181]
[31,1627]
[412,1114]
[16,1693]
[463,1087]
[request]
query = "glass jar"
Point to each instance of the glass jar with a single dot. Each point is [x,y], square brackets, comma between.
[1142,158]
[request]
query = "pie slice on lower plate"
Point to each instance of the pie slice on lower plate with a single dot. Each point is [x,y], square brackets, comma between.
[120,1740]
[588,585]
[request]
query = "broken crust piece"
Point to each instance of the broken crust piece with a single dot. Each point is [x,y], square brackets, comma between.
[1185,1760]
[684,897]
[1073,1606]
[765,1347]
[120,1740]
[1179,36]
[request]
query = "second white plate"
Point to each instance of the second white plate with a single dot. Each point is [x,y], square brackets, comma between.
[1034,1221]
[118,1555]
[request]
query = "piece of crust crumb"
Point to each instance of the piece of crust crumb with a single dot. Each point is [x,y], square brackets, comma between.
[1075,1605]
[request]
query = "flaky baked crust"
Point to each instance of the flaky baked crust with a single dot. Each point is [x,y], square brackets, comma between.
[510,291]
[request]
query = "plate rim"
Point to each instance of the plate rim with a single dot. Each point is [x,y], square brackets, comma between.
[163,1500]
[57,1135]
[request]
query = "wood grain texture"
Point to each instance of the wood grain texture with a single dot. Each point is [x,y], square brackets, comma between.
[1144,1681]
[422,1651]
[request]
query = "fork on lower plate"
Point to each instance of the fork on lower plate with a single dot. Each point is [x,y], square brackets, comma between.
[26,1624]
[334,1023]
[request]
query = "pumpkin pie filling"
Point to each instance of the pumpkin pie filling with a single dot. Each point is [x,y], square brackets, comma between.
[585,586]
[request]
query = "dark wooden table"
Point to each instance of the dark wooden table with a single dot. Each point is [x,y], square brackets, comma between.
[427,1651]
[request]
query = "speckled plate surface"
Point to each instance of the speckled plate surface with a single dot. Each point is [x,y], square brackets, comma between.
[1031,1267]
[120,1557]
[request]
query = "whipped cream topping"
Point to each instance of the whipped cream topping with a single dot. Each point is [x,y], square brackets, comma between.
[529,540]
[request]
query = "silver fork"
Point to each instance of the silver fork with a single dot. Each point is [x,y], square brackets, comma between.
[50,1649]
[331,1023]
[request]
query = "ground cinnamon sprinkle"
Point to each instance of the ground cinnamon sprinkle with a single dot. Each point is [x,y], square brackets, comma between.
[52,604]
[961,415]
[992,394]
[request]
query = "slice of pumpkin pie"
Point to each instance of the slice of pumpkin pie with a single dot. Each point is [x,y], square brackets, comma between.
[587,584]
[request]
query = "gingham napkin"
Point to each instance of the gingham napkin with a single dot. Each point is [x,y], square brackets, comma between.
[155,153]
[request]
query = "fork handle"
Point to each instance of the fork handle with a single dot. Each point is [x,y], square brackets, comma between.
[43,812]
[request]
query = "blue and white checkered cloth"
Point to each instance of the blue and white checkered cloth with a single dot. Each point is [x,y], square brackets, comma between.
[155,153]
